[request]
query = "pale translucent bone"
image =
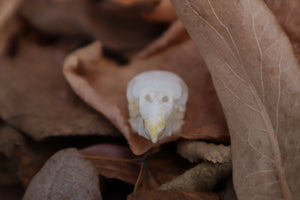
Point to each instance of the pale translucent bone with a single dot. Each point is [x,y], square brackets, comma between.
[157,103]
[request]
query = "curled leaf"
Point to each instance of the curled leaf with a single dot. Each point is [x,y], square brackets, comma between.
[257,79]
[201,178]
[132,2]
[197,150]
[93,78]
[163,12]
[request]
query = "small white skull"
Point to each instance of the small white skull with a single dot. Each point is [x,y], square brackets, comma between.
[157,102]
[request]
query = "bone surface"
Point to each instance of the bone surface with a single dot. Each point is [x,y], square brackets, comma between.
[157,103]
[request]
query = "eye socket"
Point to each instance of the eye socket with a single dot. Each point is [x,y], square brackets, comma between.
[148,98]
[165,99]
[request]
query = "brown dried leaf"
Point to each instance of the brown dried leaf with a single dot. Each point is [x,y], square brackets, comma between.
[10,140]
[287,13]
[159,168]
[202,178]
[118,27]
[113,161]
[93,78]
[257,79]
[35,98]
[21,158]
[131,2]
[195,151]
[66,175]
[11,149]
[173,36]
[174,195]
[9,23]
[163,12]
[8,10]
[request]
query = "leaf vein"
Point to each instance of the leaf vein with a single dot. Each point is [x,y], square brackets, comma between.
[260,53]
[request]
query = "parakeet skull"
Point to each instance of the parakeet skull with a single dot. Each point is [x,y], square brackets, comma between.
[157,102]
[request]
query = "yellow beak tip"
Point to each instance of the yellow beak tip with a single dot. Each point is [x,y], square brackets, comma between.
[155,130]
[154,141]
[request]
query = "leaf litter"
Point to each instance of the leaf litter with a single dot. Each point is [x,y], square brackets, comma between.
[252,71]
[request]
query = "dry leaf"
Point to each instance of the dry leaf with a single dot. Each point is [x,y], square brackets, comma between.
[119,27]
[10,140]
[131,2]
[10,24]
[8,10]
[201,178]
[93,78]
[195,151]
[287,13]
[174,195]
[173,36]
[35,98]
[257,79]
[66,175]
[163,12]
[22,158]
[159,168]
[113,161]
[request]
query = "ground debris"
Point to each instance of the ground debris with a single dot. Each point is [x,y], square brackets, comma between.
[195,151]
[201,178]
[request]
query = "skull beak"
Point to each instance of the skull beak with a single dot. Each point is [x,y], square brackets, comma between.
[154,131]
